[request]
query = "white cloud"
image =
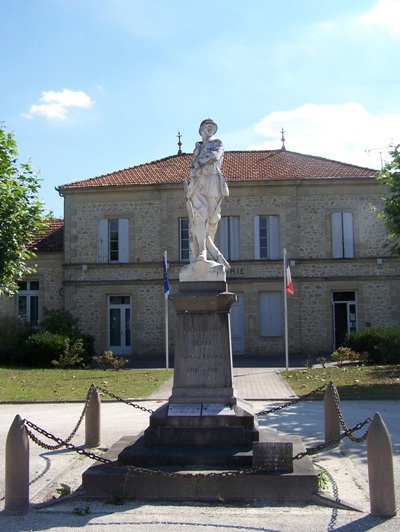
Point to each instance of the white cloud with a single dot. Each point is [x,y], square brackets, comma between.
[341,132]
[384,13]
[56,105]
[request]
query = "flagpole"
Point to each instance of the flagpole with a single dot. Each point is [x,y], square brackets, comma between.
[286,311]
[166,317]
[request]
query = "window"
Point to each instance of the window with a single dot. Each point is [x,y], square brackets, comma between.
[270,313]
[113,241]
[342,235]
[28,301]
[227,238]
[266,237]
[184,249]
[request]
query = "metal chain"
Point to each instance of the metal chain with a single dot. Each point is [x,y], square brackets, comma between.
[75,430]
[144,409]
[243,471]
[336,400]
[293,402]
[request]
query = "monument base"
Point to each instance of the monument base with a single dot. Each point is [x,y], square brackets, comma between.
[191,476]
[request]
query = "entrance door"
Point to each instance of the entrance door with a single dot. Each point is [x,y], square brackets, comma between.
[119,325]
[237,325]
[344,316]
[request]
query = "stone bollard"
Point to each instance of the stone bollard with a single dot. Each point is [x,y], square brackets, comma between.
[17,469]
[331,417]
[380,470]
[92,420]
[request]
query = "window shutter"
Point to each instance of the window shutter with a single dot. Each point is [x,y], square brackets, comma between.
[222,236]
[256,237]
[270,313]
[337,232]
[273,234]
[123,240]
[348,235]
[234,222]
[102,241]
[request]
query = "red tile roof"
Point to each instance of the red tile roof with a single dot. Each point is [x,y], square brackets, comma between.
[51,239]
[237,166]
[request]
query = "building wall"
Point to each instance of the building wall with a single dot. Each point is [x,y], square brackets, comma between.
[51,290]
[304,208]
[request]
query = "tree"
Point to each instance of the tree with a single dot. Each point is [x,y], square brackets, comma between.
[390,176]
[21,214]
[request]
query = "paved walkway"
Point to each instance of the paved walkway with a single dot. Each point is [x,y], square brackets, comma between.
[252,384]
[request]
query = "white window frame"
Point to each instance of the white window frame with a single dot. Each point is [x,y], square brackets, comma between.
[228,237]
[273,246]
[103,241]
[342,227]
[270,314]
[31,296]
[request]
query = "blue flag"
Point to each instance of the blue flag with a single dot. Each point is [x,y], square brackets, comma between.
[166,281]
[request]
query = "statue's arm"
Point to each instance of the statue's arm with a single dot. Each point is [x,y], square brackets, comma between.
[215,153]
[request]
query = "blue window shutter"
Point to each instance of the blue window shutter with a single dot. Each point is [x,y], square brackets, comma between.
[102,241]
[348,235]
[274,246]
[337,235]
[257,237]
[123,240]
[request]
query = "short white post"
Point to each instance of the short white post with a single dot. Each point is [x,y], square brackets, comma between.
[380,470]
[17,469]
[331,417]
[92,420]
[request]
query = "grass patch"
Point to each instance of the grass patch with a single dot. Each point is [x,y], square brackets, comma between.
[352,381]
[27,384]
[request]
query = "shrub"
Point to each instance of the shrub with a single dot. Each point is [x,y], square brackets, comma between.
[344,354]
[72,354]
[381,344]
[13,335]
[108,360]
[41,348]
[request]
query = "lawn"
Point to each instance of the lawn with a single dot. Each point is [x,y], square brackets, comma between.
[25,384]
[352,381]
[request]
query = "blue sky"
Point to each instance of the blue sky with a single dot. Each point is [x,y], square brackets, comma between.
[93,86]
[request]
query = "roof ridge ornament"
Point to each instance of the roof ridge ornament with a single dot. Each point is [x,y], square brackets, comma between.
[283,139]
[179,143]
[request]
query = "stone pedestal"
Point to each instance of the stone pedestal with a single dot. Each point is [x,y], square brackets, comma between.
[203,354]
[203,410]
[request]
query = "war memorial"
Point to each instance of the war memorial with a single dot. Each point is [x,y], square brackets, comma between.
[204,443]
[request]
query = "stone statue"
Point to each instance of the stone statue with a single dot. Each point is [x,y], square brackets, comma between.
[204,195]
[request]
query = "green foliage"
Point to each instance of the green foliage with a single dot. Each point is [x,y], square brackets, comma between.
[322,479]
[323,361]
[390,177]
[13,334]
[41,348]
[382,345]
[59,322]
[72,354]
[21,214]
[345,354]
[108,360]
[58,342]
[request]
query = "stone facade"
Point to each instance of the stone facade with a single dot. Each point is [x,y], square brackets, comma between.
[100,292]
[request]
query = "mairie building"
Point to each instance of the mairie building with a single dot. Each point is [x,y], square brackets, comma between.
[103,262]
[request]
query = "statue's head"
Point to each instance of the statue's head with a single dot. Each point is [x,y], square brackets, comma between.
[210,125]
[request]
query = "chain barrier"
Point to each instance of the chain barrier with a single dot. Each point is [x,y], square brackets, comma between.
[336,400]
[74,431]
[293,402]
[142,408]
[243,471]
